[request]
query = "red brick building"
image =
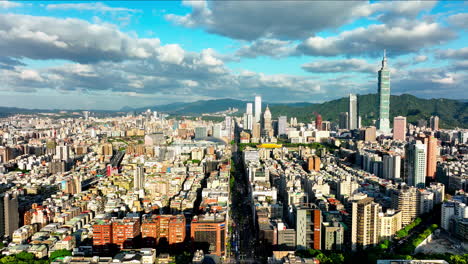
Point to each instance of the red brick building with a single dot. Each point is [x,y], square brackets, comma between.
[124,230]
[169,227]
[211,230]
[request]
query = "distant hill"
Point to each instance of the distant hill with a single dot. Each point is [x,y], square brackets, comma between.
[452,113]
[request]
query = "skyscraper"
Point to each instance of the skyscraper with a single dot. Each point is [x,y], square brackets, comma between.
[384,97]
[249,116]
[416,159]
[353,112]
[431,147]
[267,127]
[434,122]
[139,178]
[282,124]
[399,128]
[249,109]
[344,120]
[258,108]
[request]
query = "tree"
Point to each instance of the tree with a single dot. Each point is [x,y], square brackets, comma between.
[8,260]
[25,256]
[60,253]
[458,259]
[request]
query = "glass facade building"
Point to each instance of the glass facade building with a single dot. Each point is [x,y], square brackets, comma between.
[384,97]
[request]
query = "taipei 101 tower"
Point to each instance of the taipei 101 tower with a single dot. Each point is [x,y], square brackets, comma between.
[384,97]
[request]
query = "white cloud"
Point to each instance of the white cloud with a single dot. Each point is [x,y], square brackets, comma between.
[345,65]
[30,75]
[459,20]
[9,4]
[456,54]
[374,38]
[250,20]
[100,7]
[267,47]
[420,58]
[171,53]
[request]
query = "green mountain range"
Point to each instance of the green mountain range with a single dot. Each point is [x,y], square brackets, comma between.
[452,113]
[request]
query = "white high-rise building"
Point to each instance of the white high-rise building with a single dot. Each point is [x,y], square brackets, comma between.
[282,124]
[249,109]
[353,112]
[258,108]
[249,117]
[391,166]
[139,178]
[62,153]
[417,164]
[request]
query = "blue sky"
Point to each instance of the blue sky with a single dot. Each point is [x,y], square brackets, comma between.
[111,54]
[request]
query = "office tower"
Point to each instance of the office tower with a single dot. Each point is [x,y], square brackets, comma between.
[256,131]
[249,109]
[318,121]
[244,121]
[389,223]
[353,112]
[384,97]
[211,230]
[250,122]
[344,120]
[365,221]
[399,128]
[282,124]
[258,108]
[406,200]
[431,150]
[368,134]
[391,166]
[62,153]
[333,235]
[416,160]
[139,178]
[10,205]
[201,132]
[267,126]
[434,121]
[308,228]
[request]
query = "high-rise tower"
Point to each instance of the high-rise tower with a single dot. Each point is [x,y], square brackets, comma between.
[139,178]
[353,112]
[384,97]
[258,108]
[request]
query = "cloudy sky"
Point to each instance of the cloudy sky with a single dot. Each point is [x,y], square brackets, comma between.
[106,55]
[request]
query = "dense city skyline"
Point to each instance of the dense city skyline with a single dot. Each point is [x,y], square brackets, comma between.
[92,55]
